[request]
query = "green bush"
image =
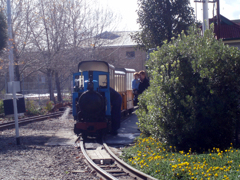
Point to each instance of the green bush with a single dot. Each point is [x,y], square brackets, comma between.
[49,106]
[32,108]
[193,98]
[1,107]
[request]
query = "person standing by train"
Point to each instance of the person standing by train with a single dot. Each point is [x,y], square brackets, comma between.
[135,84]
[116,103]
[144,82]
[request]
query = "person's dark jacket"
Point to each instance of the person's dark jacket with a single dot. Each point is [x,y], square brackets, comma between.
[114,96]
[143,85]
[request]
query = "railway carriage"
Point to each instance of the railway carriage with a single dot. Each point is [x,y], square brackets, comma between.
[91,96]
[129,94]
[120,86]
[123,85]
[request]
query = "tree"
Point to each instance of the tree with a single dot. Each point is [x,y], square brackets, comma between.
[3,43]
[22,17]
[193,99]
[86,20]
[3,31]
[161,20]
[53,36]
[63,34]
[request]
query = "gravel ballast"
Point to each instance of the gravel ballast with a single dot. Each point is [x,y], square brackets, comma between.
[34,160]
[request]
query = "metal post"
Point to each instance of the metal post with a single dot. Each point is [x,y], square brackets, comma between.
[205,16]
[196,10]
[11,71]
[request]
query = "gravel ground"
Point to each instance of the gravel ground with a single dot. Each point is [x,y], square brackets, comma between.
[33,160]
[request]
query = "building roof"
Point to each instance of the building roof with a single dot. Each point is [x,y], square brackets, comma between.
[237,21]
[108,35]
[117,38]
[229,29]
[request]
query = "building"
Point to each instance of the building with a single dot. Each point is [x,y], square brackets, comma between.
[229,30]
[118,49]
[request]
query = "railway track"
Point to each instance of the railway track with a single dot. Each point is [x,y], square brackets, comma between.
[30,119]
[100,157]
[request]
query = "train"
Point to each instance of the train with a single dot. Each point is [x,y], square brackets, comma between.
[91,107]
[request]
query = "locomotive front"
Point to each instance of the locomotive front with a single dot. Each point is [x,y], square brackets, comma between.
[91,98]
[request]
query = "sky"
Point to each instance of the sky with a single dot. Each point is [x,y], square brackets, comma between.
[127,10]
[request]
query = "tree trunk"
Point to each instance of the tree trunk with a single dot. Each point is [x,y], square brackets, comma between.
[16,65]
[16,61]
[50,88]
[16,68]
[17,74]
[58,86]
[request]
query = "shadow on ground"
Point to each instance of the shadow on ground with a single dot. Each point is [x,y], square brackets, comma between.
[8,143]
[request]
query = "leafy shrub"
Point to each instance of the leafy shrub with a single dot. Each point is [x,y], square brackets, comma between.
[67,97]
[49,106]
[1,107]
[193,98]
[32,108]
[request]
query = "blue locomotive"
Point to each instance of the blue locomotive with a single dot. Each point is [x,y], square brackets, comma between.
[91,97]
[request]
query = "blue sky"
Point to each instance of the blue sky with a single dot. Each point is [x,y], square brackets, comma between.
[127,9]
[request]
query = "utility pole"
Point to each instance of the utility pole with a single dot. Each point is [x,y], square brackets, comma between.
[196,10]
[11,71]
[205,24]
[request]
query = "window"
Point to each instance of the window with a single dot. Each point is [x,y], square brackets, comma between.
[130,54]
[102,81]
[79,81]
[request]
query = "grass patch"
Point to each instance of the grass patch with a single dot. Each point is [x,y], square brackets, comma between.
[163,162]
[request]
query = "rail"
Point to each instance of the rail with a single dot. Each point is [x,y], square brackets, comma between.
[94,165]
[117,169]
[30,119]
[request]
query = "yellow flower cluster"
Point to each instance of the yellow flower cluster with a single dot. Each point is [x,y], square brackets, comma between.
[163,160]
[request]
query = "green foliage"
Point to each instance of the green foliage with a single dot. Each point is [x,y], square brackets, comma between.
[165,162]
[32,108]
[194,94]
[49,106]
[67,97]
[1,107]
[161,20]
[3,31]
